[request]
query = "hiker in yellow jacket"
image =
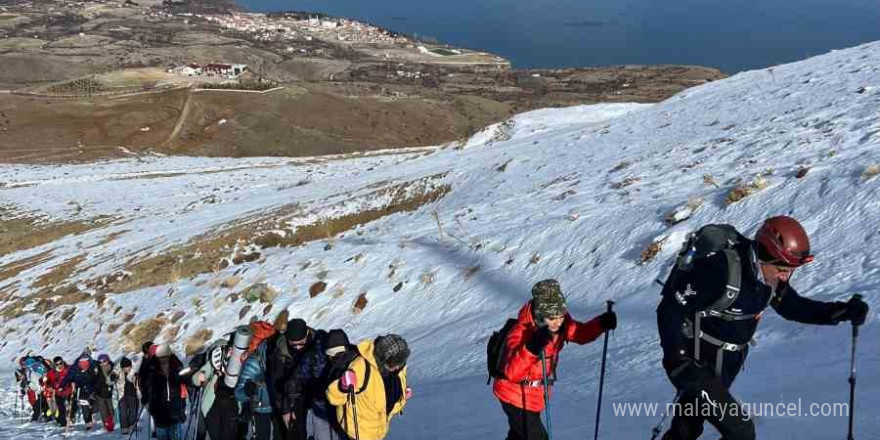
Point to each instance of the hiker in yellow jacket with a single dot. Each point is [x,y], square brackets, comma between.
[377,379]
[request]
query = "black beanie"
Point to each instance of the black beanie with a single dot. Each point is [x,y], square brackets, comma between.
[145,347]
[125,362]
[337,338]
[297,330]
[58,360]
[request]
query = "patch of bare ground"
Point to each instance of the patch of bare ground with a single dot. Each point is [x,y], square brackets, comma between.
[14,268]
[59,273]
[206,253]
[144,331]
[30,231]
[197,341]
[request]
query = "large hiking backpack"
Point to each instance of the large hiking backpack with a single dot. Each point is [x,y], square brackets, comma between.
[343,362]
[496,350]
[702,243]
[261,330]
[705,242]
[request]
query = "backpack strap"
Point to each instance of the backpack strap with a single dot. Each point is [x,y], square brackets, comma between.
[367,369]
[734,282]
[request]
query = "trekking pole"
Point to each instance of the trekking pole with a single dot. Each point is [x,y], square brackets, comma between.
[602,375]
[852,376]
[138,419]
[354,412]
[659,427]
[191,412]
[546,396]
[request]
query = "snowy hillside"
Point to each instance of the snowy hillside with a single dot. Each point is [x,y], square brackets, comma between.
[458,234]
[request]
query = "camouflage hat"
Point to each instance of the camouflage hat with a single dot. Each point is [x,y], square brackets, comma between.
[548,298]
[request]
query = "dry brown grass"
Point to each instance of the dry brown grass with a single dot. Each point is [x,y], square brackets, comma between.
[261,292]
[709,180]
[16,267]
[652,250]
[203,253]
[625,182]
[29,231]
[871,171]
[280,323]
[142,332]
[360,303]
[58,274]
[317,288]
[230,282]
[744,190]
[197,341]
[170,334]
[109,238]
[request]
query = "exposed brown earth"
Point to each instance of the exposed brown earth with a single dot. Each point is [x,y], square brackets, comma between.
[336,98]
[211,251]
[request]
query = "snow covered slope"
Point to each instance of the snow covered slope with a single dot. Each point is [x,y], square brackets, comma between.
[461,232]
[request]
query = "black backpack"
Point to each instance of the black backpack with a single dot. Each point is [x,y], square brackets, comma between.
[496,349]
[702,243]
[342,363]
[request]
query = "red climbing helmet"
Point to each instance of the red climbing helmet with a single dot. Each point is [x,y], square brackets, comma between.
[783,241]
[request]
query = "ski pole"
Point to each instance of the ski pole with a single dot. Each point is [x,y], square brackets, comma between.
[546,396]
[602,375]
[852,376]
[354,412]
[657,429]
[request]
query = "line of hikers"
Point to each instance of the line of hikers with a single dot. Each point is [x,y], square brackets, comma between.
[265,378]
[260,382]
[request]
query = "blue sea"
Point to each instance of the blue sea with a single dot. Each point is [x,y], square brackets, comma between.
[732,35]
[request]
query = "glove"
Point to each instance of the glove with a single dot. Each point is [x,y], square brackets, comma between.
[687,374]
[408,393]
[539,340]
[855,310]
[348,381]
[608,320]
[250,390]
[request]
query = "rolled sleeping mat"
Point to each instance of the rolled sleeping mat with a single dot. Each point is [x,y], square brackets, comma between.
[240,343]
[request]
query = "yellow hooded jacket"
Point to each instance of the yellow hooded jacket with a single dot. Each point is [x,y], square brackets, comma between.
[373,420]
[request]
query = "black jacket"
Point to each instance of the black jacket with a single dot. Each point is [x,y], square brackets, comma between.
[104,383]
[705,284]
[282,365]
[164,395]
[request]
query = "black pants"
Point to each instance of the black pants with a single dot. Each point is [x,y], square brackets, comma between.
[222,419]
[61,402]
[524,425]
[202,430]
[725,414]
[297,428]
[40,407]
[262,426]
[128,411]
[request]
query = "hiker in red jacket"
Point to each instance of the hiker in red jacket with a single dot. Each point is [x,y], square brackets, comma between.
[62,394]
[532,348]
